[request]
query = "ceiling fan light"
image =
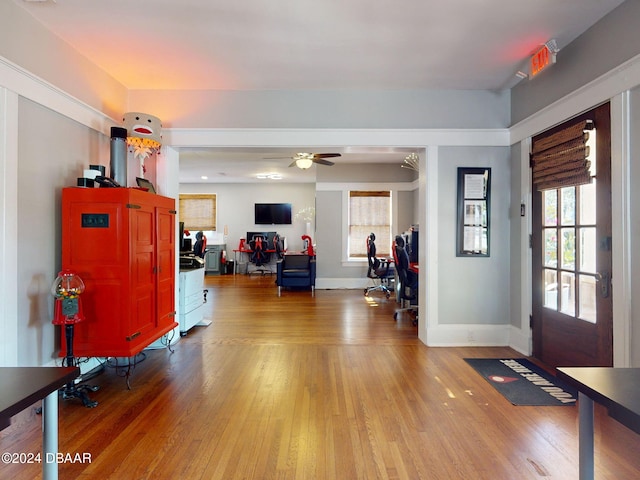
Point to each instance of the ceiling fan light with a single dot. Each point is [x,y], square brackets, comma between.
[304,163]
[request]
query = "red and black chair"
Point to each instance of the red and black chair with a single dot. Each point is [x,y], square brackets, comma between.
[407,280]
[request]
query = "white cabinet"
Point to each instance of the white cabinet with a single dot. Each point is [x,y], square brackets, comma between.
[191,298]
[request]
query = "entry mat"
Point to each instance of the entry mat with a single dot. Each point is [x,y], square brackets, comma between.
[523,383]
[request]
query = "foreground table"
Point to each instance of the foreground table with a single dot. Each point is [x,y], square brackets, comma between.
[20,388]
[618,389]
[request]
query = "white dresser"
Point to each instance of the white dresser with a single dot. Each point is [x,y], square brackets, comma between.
[191,298]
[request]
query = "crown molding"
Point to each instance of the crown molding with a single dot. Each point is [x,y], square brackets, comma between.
[600,90]
[30,86]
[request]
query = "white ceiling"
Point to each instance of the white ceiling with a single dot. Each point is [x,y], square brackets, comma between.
[311,44]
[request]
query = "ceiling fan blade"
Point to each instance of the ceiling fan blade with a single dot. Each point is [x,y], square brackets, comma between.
[293,164]
[326,155]
[321,161]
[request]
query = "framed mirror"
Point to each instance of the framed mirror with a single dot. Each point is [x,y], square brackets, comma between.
[474,209]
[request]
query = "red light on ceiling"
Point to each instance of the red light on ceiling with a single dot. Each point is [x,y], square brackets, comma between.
[541,60]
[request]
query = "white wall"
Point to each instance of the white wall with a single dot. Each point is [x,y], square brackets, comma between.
[235,207]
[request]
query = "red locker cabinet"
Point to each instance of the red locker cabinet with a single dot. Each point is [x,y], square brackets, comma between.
[121,241]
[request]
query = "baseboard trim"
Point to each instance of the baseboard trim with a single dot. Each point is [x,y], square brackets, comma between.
[342,283]
[468,335]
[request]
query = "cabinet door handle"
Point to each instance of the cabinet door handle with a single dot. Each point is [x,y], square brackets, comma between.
[131,337]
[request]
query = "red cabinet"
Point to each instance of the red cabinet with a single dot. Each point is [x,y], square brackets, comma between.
[121,242]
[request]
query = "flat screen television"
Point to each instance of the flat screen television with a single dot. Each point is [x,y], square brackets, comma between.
[273,214]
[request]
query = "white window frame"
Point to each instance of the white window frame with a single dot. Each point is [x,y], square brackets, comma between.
[382,243]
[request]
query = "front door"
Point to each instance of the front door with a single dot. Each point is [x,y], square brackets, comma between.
[571,240]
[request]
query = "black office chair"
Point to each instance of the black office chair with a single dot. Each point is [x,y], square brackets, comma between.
[259,254]
[278,246]
[407,280]
[200,250]
[379,270]
[200,247]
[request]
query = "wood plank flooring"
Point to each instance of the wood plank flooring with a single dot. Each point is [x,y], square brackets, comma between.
[324,387]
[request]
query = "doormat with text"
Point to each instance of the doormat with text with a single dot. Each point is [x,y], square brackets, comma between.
[523,383]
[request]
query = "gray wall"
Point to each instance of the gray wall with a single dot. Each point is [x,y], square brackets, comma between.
[365,172]
[407,210]
[609,43]
[330,109]
[331,226]
[62,151]
[515,236]
[329,235]
[602,49]
[474,290]
[634,173]
[25,42]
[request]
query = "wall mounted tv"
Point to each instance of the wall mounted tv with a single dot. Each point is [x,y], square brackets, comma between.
[273,214]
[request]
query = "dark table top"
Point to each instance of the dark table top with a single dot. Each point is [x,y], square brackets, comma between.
[618,389]
[21,387]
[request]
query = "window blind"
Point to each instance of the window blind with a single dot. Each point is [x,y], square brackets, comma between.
[560,159]
[198,211]
[369,211]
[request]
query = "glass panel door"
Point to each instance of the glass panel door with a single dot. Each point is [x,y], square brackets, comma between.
[572,310]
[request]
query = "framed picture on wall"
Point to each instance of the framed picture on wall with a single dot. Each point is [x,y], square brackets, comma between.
[474,207]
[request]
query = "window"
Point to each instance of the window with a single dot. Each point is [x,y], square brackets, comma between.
[569,225]
[198,211]
[369,212]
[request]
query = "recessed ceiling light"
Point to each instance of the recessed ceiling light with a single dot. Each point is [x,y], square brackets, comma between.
[269,176]
[204,177]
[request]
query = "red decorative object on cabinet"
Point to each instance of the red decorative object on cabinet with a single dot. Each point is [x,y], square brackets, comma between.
[121,242]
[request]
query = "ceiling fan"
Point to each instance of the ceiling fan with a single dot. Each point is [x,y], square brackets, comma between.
[304,160]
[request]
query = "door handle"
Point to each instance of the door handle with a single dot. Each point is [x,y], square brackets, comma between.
[604,279]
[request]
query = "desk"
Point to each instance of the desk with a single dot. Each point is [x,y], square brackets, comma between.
[618,389]
[21,388]
[247,251]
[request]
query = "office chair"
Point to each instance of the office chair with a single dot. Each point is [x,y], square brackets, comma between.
[278,246]
[407,280]
[379,270]
[259,255]
[200,246]
[200,250]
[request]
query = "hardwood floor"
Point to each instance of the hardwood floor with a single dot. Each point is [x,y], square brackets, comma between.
[324,387]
